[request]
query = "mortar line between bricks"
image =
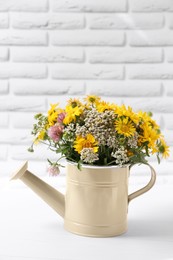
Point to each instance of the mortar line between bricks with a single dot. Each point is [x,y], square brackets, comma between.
[48,6]
[164,20]
[127,6]
[164,94]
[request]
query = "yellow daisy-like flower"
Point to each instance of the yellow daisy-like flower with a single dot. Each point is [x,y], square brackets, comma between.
[149,135]
[164,149]
[40,137]
[53,107]
[71,114]
[102,106]
[125,127]
[92,99]
[52,114]
[146,118]
[127,112]
[85,142]
[68,119]
[74,102]
[52,118]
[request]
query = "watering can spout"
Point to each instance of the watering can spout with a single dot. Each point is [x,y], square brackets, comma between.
[51,196]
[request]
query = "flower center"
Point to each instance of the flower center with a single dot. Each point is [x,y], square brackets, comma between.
[124,128]
[87,144]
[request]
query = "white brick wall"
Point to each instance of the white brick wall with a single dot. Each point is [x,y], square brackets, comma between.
[51,50]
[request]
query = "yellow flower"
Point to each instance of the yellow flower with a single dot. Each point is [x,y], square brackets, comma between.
[52,119]
[164,149]
[154,149]
[71,114]
[85,142]
[149,135]
[102,106]
[40,137]
[52,109]
[52,115]
[129,153]
[92,99]
[127,112]
[74,102]
[146,118]
[125,127]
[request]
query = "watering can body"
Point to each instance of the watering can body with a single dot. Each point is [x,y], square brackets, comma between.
[96,199]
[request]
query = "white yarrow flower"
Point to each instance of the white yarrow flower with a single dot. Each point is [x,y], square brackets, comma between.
[121,156]
[88,155]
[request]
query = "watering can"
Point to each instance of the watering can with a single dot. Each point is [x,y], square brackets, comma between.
[96,199]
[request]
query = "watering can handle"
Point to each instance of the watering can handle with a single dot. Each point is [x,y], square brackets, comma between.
[147,187]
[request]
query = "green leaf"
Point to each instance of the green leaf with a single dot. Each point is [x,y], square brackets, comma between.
[49,162]
[105,161]
[79,165]
[158,158]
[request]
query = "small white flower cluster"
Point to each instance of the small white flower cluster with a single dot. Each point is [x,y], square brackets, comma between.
[69,131]
[88,155]
[100,125]
[133,141]
[81,130]
[121,156]
[112,142]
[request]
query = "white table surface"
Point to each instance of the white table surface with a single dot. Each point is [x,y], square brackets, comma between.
[30,230]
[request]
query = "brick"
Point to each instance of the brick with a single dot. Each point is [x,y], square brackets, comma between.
[4,120]
[24,71]
[88,6]
[22,120]
[49,87]
[169,88]
[150,71]
[125,21]
[23,38]
[151,5]
[3,20]
[15,137]
[168,119]
[155,105]
[45,54]
[169,19]
[4,54]
[125,55]
[87,72]
[87,38]
[169,54]
[47,21]
[22,104]
[124,88]
[168,137]
[3,87]
[151,38]
[3,152]
[24,5]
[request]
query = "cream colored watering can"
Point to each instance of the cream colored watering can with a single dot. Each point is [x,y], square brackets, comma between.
[96,199]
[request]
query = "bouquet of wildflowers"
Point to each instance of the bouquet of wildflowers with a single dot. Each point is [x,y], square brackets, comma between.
[96,132]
